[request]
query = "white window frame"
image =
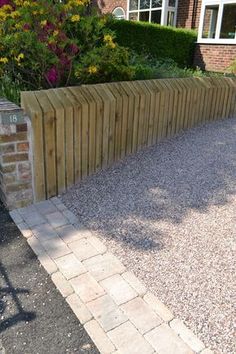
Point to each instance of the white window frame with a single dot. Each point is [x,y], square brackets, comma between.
[164,11]
[217,39]
[119,8]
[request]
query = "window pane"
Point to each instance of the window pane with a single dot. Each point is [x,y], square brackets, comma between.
[170,18]
[156,3]
[172,3]
[210,21]
[119,13]
[133,16]
[133,5]
[144,4]
[156,16]
[144,16]
[228,24]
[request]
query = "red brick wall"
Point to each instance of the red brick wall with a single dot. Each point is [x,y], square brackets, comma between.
[107,6]
[214,57]
[188,13]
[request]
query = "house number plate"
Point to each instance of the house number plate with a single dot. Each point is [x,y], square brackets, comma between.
[8,118]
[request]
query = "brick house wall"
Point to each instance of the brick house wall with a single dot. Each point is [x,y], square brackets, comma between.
[214,57]
[188,13]
[107,6]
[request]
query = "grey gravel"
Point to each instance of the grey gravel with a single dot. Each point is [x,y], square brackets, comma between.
[169,213]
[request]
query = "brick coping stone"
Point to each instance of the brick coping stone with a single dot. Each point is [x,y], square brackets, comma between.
[118,312]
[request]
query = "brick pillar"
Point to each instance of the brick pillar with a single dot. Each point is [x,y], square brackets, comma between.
[16,188]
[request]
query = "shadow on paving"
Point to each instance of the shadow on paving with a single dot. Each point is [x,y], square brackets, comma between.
[34,317]
[163,183]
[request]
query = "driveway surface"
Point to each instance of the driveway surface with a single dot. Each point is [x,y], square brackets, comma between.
[169,214]
[34,317]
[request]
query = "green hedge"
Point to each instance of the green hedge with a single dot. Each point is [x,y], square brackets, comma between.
[158,41]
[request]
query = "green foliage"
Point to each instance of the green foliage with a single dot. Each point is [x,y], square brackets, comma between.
[156,41]
[232,67]
[10,89]
[104,64]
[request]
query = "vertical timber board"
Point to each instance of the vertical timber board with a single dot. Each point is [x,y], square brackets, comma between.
[98,127]
[130,117]
[82,102]
[156,116]
[50,143]
[118,119]
[112,102]
[85,91]
[151,115]
[31,106]
[136,116]
[105,125]
[69,141]
[124,121]
[60,139]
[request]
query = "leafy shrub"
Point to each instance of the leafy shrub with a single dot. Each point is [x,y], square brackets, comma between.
[45,42]
[156,41]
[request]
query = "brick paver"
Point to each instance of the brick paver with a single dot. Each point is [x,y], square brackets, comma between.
[87,287]
[117,311]
[140,314]
[107,313]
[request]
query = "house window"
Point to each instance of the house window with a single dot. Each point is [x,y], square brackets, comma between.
[218,22]
[157,11]
[119,13]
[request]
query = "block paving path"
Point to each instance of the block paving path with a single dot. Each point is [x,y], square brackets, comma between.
[117,311]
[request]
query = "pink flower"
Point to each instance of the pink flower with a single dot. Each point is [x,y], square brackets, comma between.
[5,2]
[64,61]
[73,49]
[52,75]
[26,27]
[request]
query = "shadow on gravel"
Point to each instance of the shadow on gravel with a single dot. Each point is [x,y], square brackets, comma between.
[161,184]
[19,314]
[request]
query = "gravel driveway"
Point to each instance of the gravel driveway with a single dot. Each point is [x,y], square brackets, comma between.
[169,213]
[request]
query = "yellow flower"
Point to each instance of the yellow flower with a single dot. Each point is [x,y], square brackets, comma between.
[107,38]
[92,69]
[55,33]
[4,60]
[43,23]
[75,18]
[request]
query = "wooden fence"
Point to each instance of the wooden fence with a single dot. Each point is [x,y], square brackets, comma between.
[79,130]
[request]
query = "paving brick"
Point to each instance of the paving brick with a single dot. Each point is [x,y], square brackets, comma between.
[79,309]
[188,336]
[70,266]
[25,211]
[165,341]
[46,207]
[99,337]
[104,266]
[35,245]
[129,341]
[207,351]
[56,247]
[83,249]
[135,283]
[57,219]
[62,284]
[86,287]
[47,263]
[55,200]
[60,206]
[25,230]
[106,312]
[44,232]
[158,307]
[118,289]
[16,217]
[69,233]
[140,314]
[70,216]
[95,242]
[34,219]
